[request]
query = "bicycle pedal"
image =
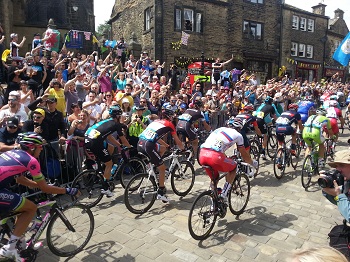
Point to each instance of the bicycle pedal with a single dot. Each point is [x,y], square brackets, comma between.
[38,245]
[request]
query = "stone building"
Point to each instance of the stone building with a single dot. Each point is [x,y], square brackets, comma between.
[27,17]
[337,30]
[247,29]
[304,37]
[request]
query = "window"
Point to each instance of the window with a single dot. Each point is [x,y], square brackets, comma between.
[177,19]
[252,30]
[295,24]
[147,19]
[310,25]
[336,44]
[188,19]
[309,51]
[294,49]
[199,23]
[301,51]
[256,1]
[302,24]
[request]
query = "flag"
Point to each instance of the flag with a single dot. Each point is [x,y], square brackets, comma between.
[5,54]
[87,36]
[94,40]
[67,38]
[184,38]
[75,34]
[103,49]
[53,41]
[113,44]
[342,54]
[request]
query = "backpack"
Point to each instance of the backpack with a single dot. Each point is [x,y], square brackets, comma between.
[339,238]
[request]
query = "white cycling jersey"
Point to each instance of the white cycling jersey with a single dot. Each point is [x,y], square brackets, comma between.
[222,139]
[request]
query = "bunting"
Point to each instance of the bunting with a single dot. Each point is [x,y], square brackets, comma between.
[184,38]
[87,36]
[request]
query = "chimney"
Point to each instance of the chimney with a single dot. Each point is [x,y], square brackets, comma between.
[319,9]
[339,13]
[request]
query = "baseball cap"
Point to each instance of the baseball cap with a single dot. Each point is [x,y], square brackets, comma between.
[139,108]
[52,99]
[183,105]
[341,157]
[12,121]
[36,34]
[40,111]
[14,93]
[144,76]
[125,100]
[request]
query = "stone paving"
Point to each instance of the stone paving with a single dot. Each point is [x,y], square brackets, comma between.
[280,217]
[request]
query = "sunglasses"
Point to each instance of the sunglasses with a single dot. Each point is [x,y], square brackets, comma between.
[12,127]
[108,95]
[142,101]
[37,117]
[13,100]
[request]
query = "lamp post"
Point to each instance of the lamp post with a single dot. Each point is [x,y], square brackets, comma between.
[202,64]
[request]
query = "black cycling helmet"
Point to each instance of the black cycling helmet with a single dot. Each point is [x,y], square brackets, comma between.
[268,100]
[29,140]
[167,111]
[198,103]
[321,111]
[115,111]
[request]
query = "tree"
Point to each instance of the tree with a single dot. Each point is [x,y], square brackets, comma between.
[102,29]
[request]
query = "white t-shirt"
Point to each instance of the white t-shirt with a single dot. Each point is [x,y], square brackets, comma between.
[20,115]
[95,110]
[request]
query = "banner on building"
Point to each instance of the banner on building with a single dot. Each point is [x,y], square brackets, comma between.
[342,54]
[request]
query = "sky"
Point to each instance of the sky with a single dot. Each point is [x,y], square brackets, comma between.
[103,8]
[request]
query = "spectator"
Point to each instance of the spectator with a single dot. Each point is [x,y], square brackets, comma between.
[93,108]
[318,254]
[37,124]
[125,95]
[74,112]
[37,76]
[55,121]
[14,109]
[108,102]
[8,134]
[15,75]
[120,81]
[126,108]
[55,90]
[104,80]
[27,96]
[70,95]
[137,125]
[79,126]
[14,46]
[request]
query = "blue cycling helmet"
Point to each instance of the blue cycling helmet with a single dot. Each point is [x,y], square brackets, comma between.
[268,100]
[115,111]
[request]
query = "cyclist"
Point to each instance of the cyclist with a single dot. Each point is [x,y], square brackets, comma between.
[264,115]
[95,142]
[249,122]
[333,114]
[185,124]
[152,145]
[13,164]
[326,103]
[305,108]
[212,152]
[284,125]
[312,131]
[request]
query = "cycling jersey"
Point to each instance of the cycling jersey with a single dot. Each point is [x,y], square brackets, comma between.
[265,112]
[249,122]
[288,118]
[313,129]
[102,129]
[156,130]
[304,107]
[191,115]
[184,125]
[222,139]
[15,162]
[334,112]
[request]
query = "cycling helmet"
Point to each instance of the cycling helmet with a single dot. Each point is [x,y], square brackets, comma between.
[268,100]
[293,106]
[198,103]
[321,111]
[168,111]
[248,107]
[29,140]
[333,103]
[278,97]
[235,122]
[333,97]
[115,111]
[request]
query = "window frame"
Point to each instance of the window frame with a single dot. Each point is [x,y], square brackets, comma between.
[248,35]
[309,27]
[176,19]
[179,19]
[309,47]
[256,1]
[198,22]
[295,22]
[147,19]
[301,22]
[301,48]
[295,47]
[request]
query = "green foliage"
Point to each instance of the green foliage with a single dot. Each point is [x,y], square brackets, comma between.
[103,28]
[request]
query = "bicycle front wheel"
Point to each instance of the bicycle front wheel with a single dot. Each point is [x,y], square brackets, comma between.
[271,145]
[239,194]
[203,215]
[70,230]
[279,163]
[140,193]
[255,153]
[306,172]
[182,178]
[129,169]
[89,183]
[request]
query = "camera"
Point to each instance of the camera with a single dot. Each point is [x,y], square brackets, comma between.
[80,121]
[327,180]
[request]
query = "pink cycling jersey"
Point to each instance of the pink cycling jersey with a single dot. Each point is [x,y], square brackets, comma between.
[15,162]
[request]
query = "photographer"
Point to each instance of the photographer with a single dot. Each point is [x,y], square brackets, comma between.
[335,183]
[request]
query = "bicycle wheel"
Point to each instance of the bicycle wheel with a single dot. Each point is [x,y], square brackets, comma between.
[294,159]
[279,163]
[129,169]
[203,215]
[89,182]
[271,146]
[306,172]
[64,241]
[254,153]
[182,179]
[239,194]
[140,193]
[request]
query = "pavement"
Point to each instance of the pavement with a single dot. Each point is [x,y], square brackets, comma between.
[280,217]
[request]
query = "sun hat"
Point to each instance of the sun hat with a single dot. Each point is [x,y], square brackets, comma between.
[341,157]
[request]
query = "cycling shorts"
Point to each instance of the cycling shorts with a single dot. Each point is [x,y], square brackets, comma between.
[312,135]
[185,128]
[10,201]
[304,117]
[151,150]
[98,148]
[262,126]
[218,161]
[334,125]
[245,140]
[284,130]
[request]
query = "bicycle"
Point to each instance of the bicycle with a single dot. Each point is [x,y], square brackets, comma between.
[141,191]
[271,146]
[310,166]
[329,145]
[69,229]
[90,181]
[283,158]
[208,205]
